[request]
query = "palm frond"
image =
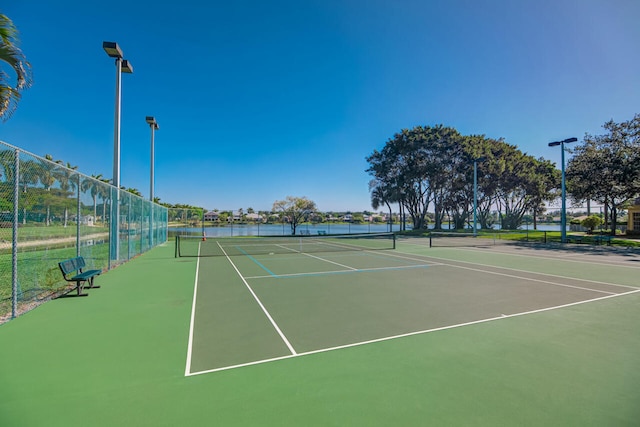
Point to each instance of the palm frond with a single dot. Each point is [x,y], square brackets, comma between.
[10,54]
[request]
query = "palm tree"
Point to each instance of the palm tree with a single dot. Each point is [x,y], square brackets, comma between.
[381,194]
[134,191]
[27,177]
[12,55]
[91,185]
[7,164]
[67,184]
[47,175]
[104,192]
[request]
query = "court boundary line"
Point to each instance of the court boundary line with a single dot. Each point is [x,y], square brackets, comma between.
[408,334]
[567,256]
[524,271]
[187,369]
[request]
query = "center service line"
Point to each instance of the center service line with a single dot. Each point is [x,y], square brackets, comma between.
[273,322]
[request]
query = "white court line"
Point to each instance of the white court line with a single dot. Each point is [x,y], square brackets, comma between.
[332,262]
[187,369]
[361,270]
[525,271]
[566,257]
[264,309]
[426,331]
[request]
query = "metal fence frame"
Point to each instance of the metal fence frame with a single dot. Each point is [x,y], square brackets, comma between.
[31,185]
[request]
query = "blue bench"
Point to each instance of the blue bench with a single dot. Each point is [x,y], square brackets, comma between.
[72,271]
[322,233]
[601,239]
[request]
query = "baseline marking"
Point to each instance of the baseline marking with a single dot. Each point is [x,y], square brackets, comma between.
[426,331]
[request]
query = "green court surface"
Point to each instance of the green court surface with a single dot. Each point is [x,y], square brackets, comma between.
[507,335]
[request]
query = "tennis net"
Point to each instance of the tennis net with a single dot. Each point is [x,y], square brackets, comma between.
[484,239]
[198,246]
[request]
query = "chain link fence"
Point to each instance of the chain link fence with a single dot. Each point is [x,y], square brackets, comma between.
[49,213]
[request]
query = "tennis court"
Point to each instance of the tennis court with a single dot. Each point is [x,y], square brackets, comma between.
[417,335]
[261,300]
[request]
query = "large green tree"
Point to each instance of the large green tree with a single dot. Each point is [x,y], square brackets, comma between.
[606,168]
[12,56]
[434,166]
[413,168]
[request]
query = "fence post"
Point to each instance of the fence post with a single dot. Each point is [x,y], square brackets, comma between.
[14,239]
[78,218]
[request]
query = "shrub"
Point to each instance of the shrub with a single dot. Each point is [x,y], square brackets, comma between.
[591,222]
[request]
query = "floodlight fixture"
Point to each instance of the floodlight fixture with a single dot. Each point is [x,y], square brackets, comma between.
[152,122]
[126,67]
[565,141]
[112,49]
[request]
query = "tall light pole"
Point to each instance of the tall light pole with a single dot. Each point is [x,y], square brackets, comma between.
[153,125]
[563,212]
[122,66]
[475,194]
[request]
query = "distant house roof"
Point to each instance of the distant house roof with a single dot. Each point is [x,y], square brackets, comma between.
[253,216]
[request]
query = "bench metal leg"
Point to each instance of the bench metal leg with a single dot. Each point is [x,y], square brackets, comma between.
[78,293]
[91,285]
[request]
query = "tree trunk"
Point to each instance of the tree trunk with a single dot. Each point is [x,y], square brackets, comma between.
[614,219]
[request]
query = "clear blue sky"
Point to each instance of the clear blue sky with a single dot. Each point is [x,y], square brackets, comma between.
[258,100]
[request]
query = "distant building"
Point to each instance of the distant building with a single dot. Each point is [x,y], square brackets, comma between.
[212,216]
[254,217]
[633,222]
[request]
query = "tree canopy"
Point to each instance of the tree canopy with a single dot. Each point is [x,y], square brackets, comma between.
[434,167]
[606,168]
[295,209]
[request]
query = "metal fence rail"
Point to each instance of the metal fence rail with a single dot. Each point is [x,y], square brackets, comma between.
[49,212]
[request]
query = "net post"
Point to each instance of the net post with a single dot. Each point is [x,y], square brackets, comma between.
[393,236]
[430,241]
[176,247]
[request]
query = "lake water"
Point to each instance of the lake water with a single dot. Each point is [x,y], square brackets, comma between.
[313,229]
